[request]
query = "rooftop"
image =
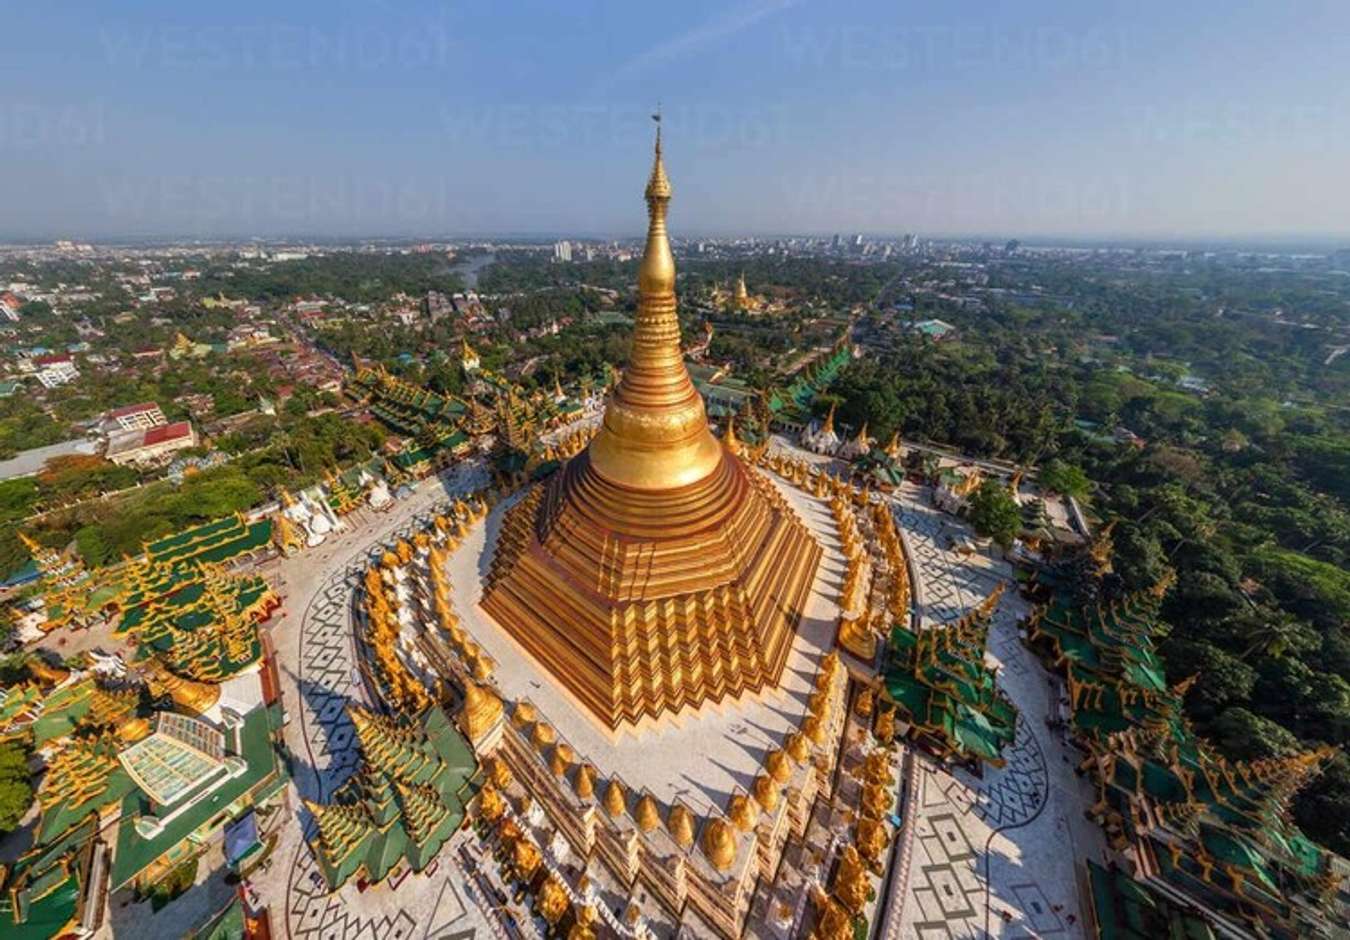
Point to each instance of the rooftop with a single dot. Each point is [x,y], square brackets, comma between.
[127,410]
[135,851]
[182,753]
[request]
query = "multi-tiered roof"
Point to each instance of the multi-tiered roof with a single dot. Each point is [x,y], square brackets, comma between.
[1217,830]
[939,679]
[403,803]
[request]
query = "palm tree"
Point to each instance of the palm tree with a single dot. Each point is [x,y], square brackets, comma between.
[1270,632]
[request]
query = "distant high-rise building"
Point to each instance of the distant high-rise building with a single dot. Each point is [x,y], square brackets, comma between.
[562,251]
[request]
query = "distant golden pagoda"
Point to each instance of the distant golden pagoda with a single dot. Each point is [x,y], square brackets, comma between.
[653,572]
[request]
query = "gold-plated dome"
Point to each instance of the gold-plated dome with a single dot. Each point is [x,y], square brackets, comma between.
[777,765]
[719,844]
[797,747]
[680,822]
[814,729]
[647,815]
[742,811]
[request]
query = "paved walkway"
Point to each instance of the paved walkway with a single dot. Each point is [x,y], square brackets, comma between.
[1008,843]
[317,662]
[994,856]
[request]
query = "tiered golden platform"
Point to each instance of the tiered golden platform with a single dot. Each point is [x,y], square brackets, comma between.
[654,572]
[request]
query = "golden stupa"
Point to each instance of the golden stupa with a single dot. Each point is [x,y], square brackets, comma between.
[654,572]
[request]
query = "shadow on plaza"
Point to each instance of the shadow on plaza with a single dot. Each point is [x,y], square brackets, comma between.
[335,736]
[492,526]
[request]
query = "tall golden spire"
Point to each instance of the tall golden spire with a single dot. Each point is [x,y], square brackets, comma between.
[654,572]
[655,432]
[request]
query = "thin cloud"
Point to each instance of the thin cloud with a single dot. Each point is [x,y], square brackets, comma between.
[700,37]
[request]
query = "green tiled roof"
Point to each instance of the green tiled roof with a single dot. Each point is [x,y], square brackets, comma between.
[941,683]
[135,852]
[432,754]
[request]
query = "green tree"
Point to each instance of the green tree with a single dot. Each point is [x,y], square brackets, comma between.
[16,789]
[1242,735]
[994,513]
[1065,479]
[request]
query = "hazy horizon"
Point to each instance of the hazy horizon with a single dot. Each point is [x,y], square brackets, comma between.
[1120,123]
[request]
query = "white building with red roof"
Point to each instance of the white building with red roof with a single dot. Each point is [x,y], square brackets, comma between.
[150,446]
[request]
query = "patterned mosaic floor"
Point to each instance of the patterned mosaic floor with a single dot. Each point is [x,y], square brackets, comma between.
[422,906]
[992,856]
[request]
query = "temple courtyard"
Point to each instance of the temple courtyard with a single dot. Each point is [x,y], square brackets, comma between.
[993,856]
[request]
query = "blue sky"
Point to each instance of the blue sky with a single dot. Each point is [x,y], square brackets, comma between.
[1028,118]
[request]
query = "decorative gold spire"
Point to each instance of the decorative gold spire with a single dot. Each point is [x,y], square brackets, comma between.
[562,758]
[765,792]
[523,714]
[776,764]
[499,772]
[615,803]
[656,542]
[680,822]
[732,443]
[719,844]
[585,781]
[655,432]
[543,736]
[482,710]
[647,814]
[742,811]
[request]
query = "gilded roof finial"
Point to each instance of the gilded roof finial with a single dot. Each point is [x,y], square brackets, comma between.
[658,186]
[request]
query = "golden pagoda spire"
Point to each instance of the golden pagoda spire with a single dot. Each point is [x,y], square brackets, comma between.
[655,431]
[584,783]
[893,448]
[828,427]
[733,443]
[719,844]
[482,710]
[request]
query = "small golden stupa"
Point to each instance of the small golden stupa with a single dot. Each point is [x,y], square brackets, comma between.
[654,572]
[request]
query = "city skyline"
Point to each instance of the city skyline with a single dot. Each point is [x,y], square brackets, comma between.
[1125,124]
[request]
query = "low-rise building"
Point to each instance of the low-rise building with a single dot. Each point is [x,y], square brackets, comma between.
[143,447]
[56,369]
[9,306]
[138,417]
